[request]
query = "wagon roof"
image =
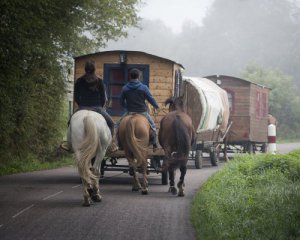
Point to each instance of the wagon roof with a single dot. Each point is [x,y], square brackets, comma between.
[127,51]
[236,78]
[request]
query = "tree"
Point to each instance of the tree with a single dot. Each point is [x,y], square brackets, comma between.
[284,100]
[37,39]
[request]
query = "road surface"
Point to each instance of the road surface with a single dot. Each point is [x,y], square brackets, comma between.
[46,205]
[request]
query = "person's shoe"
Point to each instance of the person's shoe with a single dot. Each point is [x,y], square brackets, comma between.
[65,146]
[113,147]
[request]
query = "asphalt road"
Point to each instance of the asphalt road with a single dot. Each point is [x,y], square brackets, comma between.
[47,205]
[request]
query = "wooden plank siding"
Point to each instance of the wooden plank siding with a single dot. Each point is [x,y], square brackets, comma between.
[247,126]
[161,74]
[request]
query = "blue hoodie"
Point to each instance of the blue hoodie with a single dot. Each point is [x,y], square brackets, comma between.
[133,97]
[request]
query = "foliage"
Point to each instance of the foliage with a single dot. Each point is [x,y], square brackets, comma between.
[32,164]
[38,39]
[253,197]
[284,100]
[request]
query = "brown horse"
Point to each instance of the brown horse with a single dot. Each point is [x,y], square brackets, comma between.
[133,136]
[176,136]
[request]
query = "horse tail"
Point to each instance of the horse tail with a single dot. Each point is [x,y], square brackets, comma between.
[182,136]
[88,149]
[137,147]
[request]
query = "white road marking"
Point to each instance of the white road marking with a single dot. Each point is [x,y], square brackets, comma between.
[25,209]
[53,195]
[76,186]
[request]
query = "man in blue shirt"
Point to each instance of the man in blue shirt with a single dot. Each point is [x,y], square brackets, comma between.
[133,97]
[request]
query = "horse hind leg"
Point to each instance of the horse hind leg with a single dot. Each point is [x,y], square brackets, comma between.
[136,186]
[172,188]
[181,184]
[145,181]
[86,194]
[95,191]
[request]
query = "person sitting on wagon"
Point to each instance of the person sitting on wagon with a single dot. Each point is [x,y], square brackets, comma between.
[89,93]
[133,97]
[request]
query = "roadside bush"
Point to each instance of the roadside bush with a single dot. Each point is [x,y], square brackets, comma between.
[253,197]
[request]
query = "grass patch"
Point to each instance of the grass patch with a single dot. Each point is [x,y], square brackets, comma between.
[30,164]
[253,197]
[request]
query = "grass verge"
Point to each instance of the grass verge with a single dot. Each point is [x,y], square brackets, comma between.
[31,164]
[253,197]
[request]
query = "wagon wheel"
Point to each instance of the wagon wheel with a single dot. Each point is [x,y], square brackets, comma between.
[102,170]
[164,171]
[198,159]
[214,156]
[164,177]
[250,148]
[264,148]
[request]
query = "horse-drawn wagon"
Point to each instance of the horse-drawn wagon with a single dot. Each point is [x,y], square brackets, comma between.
[207,105]
[248,103]
[161,75]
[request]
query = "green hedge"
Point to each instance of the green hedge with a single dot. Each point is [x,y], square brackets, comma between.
[253,197]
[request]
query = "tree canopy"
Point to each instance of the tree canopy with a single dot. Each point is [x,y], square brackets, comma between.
[37,38]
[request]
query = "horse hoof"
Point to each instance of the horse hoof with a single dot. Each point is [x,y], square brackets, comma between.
[173,190]
[144,192]
[86,202]
[181,193]
[134,189]
[96,198]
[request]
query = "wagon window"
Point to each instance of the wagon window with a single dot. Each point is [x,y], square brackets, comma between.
[115,77]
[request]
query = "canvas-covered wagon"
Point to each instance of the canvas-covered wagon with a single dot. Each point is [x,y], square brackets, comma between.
[162,76]
[248,113]
[207,105]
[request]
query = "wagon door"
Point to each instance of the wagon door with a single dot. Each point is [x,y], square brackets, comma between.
[115,77]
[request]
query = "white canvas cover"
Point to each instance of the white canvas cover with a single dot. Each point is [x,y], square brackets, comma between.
[214,103]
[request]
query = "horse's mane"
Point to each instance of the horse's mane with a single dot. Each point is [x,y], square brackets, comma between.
[175,103]
[170,101]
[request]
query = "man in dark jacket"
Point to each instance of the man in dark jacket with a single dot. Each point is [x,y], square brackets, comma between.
[133,97]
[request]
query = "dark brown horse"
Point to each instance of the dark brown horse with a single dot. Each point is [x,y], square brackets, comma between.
[134,138]
[176,136]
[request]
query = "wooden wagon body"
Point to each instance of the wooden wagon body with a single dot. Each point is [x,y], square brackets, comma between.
[248,113]
[161,75]
[207,105]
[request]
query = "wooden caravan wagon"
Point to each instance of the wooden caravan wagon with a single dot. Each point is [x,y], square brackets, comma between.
[248,113]
[161,75]
[207,104]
